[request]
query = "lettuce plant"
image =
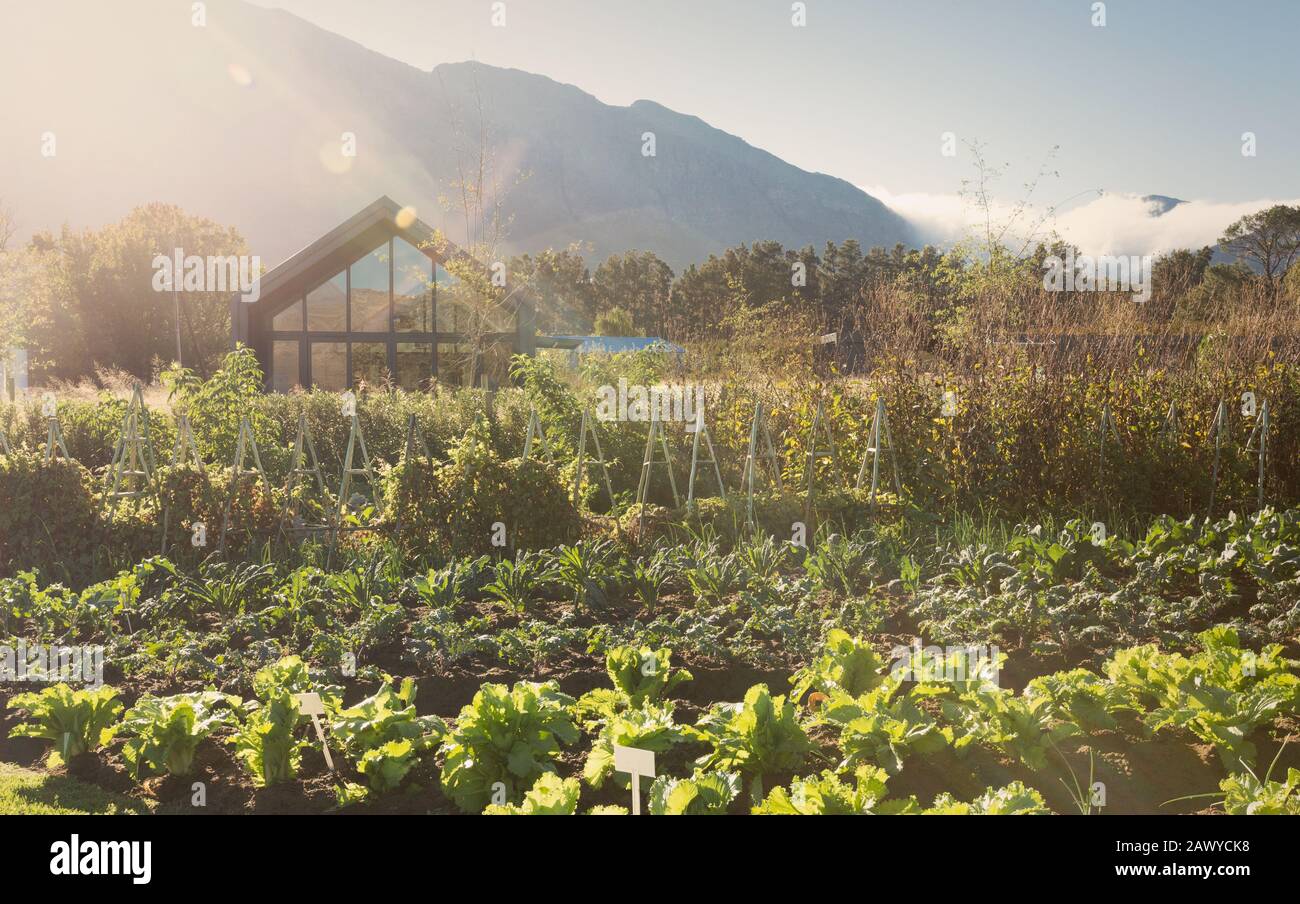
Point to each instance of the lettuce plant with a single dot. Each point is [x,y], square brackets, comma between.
[549,796]
[75,721]
[883,727]
[755,737]
[703,794]
[384,734]
[505,735]
[650,727]
[265,743]
[164,732]
[1016,799]
[846,663]
[829,795]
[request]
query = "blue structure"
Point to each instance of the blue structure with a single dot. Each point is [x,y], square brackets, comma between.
[610,345]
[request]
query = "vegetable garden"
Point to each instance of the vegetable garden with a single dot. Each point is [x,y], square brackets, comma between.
[458,603]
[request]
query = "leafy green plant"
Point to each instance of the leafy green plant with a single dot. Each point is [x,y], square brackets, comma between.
[265,743]
[1015,799]
[75,721]
[882,727]
[846,664]
[829,795]
[163,733]
[385,735]
[508,736]
[549,796]
[703,794]
[758,736]
[648,727]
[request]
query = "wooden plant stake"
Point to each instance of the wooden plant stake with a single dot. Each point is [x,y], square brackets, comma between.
[702,430]
[184,450]
[131,474]
[819,423]
[244,446]
[748,475]
[589,427]
[1258,443]
[536,433]
[1217,427]
[303,465]
[880,438]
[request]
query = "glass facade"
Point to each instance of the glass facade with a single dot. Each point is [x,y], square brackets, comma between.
[391,314]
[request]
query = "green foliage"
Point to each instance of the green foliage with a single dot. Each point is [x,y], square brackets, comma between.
[647,727]
[1246,795]
[1013,800]
[846,664]
[883,727]
[549,796]
[48,519]
[506,735]
[75,721]
[829,795]
[758,736]
[704,794]
[163,733]
[384,733]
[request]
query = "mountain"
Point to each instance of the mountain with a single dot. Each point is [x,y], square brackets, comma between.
[242,120]
[1159,205]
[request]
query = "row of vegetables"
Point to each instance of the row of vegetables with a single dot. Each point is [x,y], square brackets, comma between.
[858,716]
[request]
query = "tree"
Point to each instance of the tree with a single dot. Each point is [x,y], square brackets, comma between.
[639,282]
[615,322]
[94,303]
[1268,238]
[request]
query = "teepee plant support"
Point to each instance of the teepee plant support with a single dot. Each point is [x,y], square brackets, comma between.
[131,475]
[411,452]
[184,451]
[822,425]
[648,462]
[702,431]
[589,429]
[304,465]
[535,433]
[1217,427]
[879,440]
[54,443]
[245,446]
[759,430]
[1258,443]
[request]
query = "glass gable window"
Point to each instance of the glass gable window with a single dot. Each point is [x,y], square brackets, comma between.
[370,292]
[369,363]
[327,306]
[289,320]
[412,289]
[284,362]
[391,314]
[329,365]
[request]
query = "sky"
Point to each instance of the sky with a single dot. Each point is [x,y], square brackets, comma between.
[1155,101]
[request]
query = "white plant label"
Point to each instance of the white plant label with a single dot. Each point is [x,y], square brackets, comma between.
[349,405]
[49,405]
[1248,404]
[636,763]
[311,705]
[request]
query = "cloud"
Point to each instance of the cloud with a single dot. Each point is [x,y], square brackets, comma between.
[1109,224]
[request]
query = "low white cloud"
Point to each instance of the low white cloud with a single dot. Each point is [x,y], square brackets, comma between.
[1109,224]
